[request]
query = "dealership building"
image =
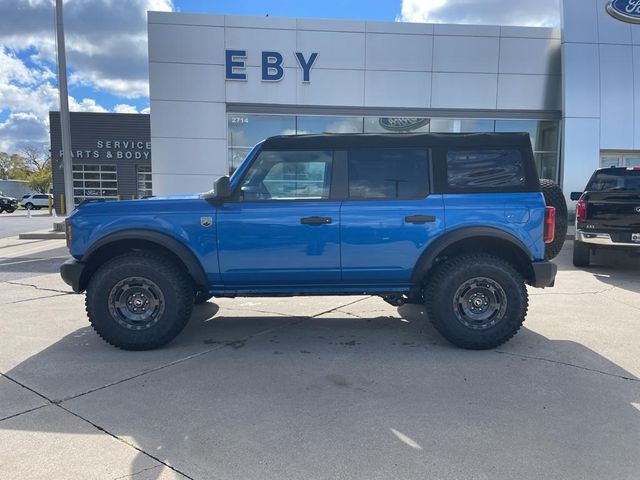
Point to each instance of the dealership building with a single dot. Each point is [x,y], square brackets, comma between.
[220,84]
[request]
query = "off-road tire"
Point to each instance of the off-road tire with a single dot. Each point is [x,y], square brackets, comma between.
[201,297]
[448,278]
[554,197]
[172,281]
[581,254]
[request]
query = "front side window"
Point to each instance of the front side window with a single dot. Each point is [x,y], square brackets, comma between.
[388,173]
[479,169]
[289,175]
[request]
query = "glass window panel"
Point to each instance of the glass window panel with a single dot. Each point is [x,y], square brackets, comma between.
[544,134]
[319,124]
[478,169]
[247,130]
[94,184]
[236,157]
[609,161]
[546,164]
[467,125]
[395,125]
[285,175]
[396,173]
[631,162]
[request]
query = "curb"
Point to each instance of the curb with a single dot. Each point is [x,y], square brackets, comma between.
[42,236]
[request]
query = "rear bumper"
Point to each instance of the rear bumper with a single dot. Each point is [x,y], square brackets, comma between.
[603,239]
[544,274]
[71,273]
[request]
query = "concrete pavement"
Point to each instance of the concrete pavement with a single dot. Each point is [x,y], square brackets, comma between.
[321,388]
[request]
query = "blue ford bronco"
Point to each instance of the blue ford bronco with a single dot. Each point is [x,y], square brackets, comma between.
[457,222]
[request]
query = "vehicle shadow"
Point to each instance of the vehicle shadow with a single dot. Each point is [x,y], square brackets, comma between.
[282,395]
[612,268]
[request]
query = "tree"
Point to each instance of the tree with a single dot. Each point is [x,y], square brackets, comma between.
[31,164]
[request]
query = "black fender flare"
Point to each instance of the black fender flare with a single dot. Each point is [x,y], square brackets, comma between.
[186,256]
[428,257]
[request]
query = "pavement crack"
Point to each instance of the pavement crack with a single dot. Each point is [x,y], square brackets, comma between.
[131,475]
[37,298]
[180,360]
[41,289]
[567,364]
[126,442]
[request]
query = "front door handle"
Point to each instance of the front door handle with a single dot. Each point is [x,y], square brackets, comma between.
[315,220]
[419,218]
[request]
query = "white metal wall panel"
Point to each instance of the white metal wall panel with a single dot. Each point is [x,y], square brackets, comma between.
[186,44]
[531,92]
[176,81]
[542,55]
[188,120]
[616,95]
[464,90]
[399,52]
[413,89]
[465,54]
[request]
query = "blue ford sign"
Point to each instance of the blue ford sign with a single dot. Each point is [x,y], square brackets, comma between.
[625,10]
[272,69]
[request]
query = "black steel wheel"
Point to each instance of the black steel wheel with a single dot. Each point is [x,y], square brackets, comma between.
[476,301]
[480,303]
[136,303]
[139,300]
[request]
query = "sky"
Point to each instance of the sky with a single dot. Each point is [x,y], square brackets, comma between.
[106,44]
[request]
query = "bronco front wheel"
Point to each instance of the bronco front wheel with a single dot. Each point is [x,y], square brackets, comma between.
[139,301]
[476,301]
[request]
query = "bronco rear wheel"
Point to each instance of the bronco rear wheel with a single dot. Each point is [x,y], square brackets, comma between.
[139,301]
[476,301]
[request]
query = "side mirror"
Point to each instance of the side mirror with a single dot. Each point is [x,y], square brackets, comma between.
[220,189]
[576,196]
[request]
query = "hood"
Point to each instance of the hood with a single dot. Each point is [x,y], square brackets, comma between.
[151,205]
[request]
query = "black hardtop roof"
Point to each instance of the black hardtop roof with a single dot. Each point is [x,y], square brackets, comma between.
[375,140]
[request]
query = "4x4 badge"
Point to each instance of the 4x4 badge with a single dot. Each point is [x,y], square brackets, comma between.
[206,221]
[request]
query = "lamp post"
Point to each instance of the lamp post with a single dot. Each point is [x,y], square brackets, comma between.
[67,167]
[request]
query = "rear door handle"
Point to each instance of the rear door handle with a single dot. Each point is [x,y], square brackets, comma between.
[315,220]
[419,218]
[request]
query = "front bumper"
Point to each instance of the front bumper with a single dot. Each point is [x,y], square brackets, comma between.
[603,239]
[71,272]
[544,274]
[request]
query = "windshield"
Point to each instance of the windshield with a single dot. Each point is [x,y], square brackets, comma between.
[615,180]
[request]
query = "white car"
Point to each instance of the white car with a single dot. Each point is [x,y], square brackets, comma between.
[36,201]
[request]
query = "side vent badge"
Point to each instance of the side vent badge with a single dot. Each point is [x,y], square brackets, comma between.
[206,221]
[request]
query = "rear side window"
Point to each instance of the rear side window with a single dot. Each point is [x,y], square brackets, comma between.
[615,180]
[478,169]
[388,173]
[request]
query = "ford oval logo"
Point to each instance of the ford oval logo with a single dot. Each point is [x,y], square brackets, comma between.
[625,10]
[637,209]
[403,124]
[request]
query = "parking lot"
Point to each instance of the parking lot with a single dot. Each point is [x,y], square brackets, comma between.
[320,387]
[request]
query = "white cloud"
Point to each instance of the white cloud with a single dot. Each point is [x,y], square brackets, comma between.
[125,108]
[106,40]
[106,44]
[539,13]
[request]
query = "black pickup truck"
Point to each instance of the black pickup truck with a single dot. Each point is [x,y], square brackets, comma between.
[608,213]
